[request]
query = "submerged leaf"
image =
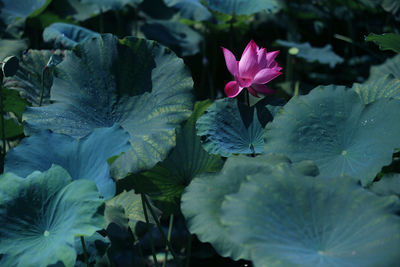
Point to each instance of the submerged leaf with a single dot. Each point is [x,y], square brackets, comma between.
[42,214]
[332,127]
[84,158]
[94,88]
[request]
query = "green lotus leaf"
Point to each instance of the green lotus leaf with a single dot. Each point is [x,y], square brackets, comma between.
[190,9]
[12,129]
[384,87]
[12,10]
[243,7]
[340,134]
[9,47]
[12,102]
[166,181]
[83,158]
[202,200]
[389,184]
[42,214]
[323,55]
[390,66]
[94,88]
[230,127]
[66,35]
[181,38]
[386,41]
[305,221]
[31,76]
[126,209]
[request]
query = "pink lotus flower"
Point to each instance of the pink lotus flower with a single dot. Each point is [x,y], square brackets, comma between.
[253,71]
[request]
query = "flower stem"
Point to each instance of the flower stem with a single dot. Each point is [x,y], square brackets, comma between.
[153,251]
[3,126]
[178,262]
[247,98]
[171,222]
[84,251]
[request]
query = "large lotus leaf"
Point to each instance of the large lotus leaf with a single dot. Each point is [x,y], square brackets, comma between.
[84,158]
[384,87]
[30,77]
[389,184]
[43,213]
[286,219]
[166,181]
[202,200]
[94,88]
[386,41]
[243,7]
[390,66]
[190,9]
[181,38]
[323,55]
[9,47]
[230,127]
[67,35]
[332,127]
[12,10]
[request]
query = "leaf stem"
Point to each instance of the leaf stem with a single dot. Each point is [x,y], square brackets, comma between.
[178,262]
[153,251]
[84,251]
[42,86]
[171,222]
[188,250]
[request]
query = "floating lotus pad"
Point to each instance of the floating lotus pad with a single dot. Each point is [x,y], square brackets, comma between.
[202,200]
[94,88]
[230,127]
[286,219]
[42,214]
[84,158]
[339,133]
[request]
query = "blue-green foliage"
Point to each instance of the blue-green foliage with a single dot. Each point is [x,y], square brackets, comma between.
[84,158]
[63,35]
[94,88]
[41,215]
